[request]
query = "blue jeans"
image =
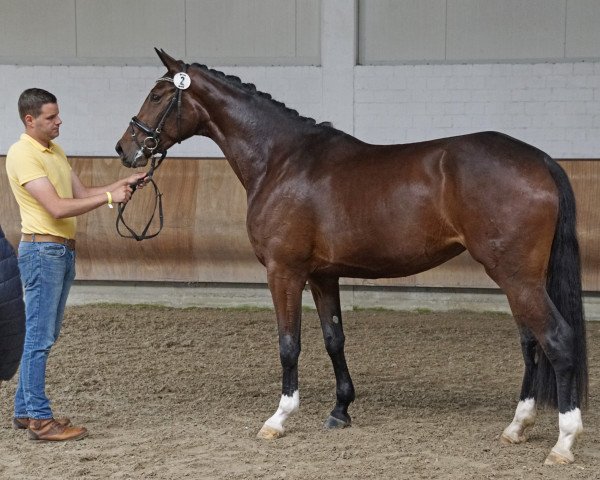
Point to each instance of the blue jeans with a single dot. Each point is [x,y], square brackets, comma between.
[47,273]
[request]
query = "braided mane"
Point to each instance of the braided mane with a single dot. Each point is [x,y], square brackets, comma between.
[251,89]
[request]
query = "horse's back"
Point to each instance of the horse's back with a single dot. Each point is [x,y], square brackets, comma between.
[446,180]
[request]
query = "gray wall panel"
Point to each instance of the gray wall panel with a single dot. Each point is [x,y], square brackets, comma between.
[130,28]
[403,31]
[37,28]
[583,29]
[451,31]
[239,28]
[249,32]
[288,32]
[507,29]
[308,30]
[123,32]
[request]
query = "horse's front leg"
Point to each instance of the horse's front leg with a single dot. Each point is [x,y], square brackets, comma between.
[286,289]
[326,292]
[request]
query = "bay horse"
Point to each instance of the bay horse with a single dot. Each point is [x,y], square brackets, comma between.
[324,205]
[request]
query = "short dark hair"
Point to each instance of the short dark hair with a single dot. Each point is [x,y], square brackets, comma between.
[32,100]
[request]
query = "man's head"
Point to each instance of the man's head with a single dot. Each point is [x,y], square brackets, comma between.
[32,100]
[38,110]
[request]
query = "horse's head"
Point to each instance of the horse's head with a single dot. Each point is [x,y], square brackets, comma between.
[160,122]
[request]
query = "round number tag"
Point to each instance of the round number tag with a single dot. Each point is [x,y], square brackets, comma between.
[181,80]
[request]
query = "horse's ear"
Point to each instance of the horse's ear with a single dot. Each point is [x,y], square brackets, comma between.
[166,59]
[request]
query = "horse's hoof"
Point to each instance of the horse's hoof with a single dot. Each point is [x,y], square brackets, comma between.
[269,433]
[512,440]
[555,458]
[333,422]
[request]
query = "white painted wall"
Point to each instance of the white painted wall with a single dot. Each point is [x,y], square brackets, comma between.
[97,102]
[555,107]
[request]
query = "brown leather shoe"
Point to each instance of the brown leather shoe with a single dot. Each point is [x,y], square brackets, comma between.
[51,431]
[23,423]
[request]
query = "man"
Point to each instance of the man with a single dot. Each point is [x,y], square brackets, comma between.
[50,195]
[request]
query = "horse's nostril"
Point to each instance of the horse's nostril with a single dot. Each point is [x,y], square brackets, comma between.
[119,149]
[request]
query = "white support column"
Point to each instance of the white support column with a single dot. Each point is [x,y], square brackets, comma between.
[338,58]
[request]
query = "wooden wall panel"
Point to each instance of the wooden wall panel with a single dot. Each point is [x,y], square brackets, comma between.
[585,178]
[204,238]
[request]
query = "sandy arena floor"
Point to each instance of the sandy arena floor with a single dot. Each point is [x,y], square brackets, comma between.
[181,393]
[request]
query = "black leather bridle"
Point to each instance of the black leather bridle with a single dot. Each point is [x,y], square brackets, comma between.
[152,139]
[150,145]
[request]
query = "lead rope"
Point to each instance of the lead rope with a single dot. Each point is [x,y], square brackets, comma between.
[157,204]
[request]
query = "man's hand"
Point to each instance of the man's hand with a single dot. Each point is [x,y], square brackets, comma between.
[122,194]
[138,179]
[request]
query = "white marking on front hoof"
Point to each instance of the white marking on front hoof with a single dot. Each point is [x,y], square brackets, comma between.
[273,427]
[269,433]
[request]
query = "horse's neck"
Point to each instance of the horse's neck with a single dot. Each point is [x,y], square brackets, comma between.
[245,150]
[251,132]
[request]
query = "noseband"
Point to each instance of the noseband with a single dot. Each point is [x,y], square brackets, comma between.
[150,145]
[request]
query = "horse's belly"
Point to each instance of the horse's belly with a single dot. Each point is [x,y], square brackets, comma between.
[381,261]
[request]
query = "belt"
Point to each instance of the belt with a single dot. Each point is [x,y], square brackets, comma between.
[38,237]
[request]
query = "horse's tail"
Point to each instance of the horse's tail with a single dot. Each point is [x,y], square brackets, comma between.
[564,288]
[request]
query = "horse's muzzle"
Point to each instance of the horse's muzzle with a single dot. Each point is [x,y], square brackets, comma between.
[137,160]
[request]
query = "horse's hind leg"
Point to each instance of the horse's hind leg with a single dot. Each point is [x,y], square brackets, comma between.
[326,293]
[533,309]
[286,289]
[558,345]
[526,409]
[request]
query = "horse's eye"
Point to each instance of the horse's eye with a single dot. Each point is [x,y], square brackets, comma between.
[154,97]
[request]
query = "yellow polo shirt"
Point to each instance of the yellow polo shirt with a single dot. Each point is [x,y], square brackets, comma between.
[28,160]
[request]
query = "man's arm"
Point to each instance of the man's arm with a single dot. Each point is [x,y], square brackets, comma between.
[81,191]
[44,192]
